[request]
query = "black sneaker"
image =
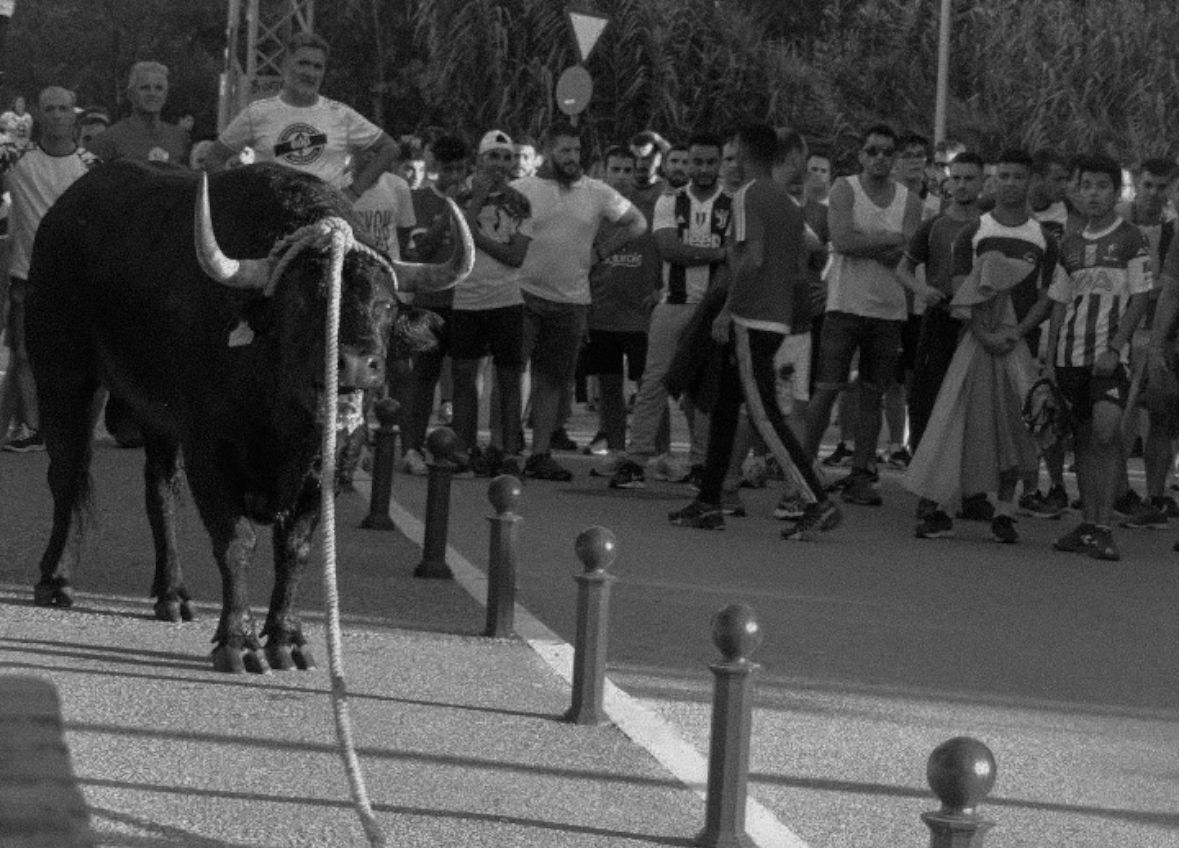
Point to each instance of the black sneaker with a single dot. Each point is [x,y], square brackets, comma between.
[1057,498]
[1003,529]
[839,457]
[936,525]
[816,518]
[791,507]
[1127,503]
[861,489]
[512,466]
[926,508]
[1079,540]
[1101,545]
[1147,517]
[702,516]
[845,481]
[629,475]
[560,441]
[976,508]
[1034,505]
[695,478]
[542,466]
[731,504]
[28,444]
[899,459]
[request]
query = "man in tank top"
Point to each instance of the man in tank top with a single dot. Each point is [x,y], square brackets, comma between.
[871,219]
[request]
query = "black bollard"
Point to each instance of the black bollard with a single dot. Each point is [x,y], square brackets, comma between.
[595,547]
[384,458]
[961,772]
[737,634]
[441,444]
[504,494]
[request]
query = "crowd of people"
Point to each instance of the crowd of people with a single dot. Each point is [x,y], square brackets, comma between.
[992,314]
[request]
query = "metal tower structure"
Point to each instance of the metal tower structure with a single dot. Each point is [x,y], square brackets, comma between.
[255,36]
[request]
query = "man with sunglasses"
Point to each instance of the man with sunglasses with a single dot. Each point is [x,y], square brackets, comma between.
[871,219]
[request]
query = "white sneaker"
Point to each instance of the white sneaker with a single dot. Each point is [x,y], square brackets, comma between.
[414,463]
[667,468]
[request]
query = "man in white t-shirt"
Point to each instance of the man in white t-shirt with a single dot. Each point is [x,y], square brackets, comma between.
[386,213]
[301,129]
[567,210]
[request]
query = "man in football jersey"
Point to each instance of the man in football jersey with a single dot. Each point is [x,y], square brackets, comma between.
[689,228]
[304,130]
[1099,302]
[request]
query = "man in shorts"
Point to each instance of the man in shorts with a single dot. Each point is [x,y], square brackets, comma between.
[1099,301]
[568,208]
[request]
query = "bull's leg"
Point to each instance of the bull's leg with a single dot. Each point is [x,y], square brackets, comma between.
[162,480]
[286,646]
[67,419]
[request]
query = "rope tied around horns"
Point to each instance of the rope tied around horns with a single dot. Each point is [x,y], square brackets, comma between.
[336,235]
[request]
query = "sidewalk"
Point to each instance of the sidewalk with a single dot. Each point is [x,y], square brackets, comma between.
[459,736]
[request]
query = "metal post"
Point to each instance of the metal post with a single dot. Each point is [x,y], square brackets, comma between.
[504,494]
[943,72]
[441,443]
[595,548]
[384,458]
[961,772]
[736,633]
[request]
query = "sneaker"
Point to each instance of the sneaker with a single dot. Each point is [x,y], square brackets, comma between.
[1079,540]
[1057,498]
[1168,505]
[490,462]
[731,504]
[598,446]
[936,525]
[861,489]
[839,457]
[561,441]
[629,476]
[27,444]
[817,518]
[899,459]
[542,466]
[1127,503]
[976,508]
[845,481]
[512,465]
[464,468]
[1003,529]
[414,463]
[700,515]
[1102,545]
[695,478]
[791,507]
[666,468]
[1034,505]
[609,464]
[1146,517]
[926,508]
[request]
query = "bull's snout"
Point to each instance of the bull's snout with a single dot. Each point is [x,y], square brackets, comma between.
[360,370]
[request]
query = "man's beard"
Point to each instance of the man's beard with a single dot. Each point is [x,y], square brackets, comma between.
[677,180]
[569,172]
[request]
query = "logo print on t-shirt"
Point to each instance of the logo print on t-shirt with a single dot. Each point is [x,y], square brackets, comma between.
[300,144]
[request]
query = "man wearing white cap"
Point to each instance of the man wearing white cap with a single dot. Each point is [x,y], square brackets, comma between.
[488,316]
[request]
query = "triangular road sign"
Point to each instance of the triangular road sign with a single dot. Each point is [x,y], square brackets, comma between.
[587,28]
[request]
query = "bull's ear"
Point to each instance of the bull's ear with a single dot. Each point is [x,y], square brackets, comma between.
[415,276]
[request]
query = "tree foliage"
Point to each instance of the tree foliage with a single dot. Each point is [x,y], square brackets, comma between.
[1075,74]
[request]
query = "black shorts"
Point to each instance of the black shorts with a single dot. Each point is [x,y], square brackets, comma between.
[475,333]
[606,348]
[1082,390]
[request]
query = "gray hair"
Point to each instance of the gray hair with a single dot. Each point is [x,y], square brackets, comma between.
[139,69]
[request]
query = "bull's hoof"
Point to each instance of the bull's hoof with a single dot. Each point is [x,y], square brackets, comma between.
[239,660]
[57,593]
[175,610]
[289,657]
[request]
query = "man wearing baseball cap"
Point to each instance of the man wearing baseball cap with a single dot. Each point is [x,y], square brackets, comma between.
[488,316]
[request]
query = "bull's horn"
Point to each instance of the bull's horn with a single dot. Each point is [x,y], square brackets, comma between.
[414,276]
[238,274]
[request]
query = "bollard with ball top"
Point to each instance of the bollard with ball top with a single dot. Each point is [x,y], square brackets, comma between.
[441,443]
[961,772]
[384,456]
[595,547]
[736,633]
[504,494]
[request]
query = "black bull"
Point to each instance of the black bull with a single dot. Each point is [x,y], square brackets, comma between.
[119,298]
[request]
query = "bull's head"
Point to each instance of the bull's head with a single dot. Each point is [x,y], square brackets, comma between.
[366,314]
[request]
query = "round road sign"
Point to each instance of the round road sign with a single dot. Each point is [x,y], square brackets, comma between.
[574,89]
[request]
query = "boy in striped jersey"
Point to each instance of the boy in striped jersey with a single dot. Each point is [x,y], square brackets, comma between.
[1099,301]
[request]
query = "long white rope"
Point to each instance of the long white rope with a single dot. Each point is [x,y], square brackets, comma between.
[341,241]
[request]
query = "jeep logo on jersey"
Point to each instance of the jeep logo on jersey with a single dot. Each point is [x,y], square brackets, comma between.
[300,144]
